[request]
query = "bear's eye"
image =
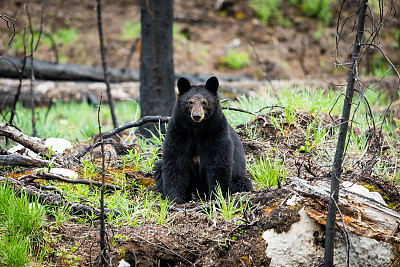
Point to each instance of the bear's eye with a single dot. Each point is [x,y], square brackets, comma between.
[204,102]
[191,102]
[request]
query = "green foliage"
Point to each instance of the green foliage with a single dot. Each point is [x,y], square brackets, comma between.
[235,60]
[143,158]
[89,169]
[315,135]
[14,249]
[131,31]
[379,66]
[267,171]
[61,214]
[265,9]
[317,8]
[268,10]
[314,101]
[66,36]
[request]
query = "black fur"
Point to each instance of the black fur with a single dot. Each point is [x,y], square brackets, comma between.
[213,140]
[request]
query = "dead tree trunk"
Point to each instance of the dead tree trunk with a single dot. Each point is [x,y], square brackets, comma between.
[338,160]
[157,95]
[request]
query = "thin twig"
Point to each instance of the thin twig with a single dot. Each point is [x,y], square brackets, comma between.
[103,248]
[9,20]
[104,64]
[345,233]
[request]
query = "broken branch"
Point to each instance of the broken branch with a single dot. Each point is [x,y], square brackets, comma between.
[51,176]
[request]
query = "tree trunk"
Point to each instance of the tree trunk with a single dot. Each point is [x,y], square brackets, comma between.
[157,95]
[338,160]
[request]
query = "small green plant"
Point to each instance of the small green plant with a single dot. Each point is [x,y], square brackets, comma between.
[267,172]
[235,60]
[131,31]
[252,104]
[317,8]
[61,214]
[226,205]
[143,158]
[66,36]
[268,10]
[278,123]
[89,169]
[136,157]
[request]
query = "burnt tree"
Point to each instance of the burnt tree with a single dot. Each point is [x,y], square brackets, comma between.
[157,95]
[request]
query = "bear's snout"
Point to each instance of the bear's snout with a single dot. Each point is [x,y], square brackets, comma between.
[197,103]
[197,114]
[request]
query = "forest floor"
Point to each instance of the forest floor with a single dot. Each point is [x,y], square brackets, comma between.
[192,237]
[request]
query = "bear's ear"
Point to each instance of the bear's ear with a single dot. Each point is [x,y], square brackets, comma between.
[212,84]
[183,85]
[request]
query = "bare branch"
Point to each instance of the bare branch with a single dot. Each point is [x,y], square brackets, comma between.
[21,160]
[9,20]
[141,121]
[56,177]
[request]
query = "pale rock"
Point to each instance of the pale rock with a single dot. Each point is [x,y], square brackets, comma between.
[64,172]
[294,200]
[123,263]
[58,145]
[302,246]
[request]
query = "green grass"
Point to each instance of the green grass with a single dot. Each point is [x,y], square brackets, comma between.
[226,206]
[268,171]
[21,223]
[73,121]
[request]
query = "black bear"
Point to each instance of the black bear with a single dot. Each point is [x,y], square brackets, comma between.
[200,149]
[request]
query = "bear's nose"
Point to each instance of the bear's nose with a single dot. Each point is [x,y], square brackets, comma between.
[196,117]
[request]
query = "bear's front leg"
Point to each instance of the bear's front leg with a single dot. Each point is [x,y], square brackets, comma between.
[217,166]
[176,180]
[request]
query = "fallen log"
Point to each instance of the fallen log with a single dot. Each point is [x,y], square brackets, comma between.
[359,214]
[30,143]
[21,160]
[46,92]
[19,137]
[54,71]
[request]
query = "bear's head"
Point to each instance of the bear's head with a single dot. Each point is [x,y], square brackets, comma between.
[198,101]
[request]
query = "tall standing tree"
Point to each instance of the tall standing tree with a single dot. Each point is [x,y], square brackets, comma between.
[157,95]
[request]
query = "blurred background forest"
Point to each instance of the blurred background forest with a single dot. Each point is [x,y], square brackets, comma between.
[288,125]
[287,39]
